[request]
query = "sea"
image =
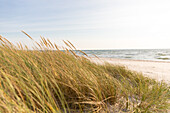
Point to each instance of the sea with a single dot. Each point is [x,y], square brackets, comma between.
[135,54]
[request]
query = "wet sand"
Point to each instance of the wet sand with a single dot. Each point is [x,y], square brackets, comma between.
[158,70]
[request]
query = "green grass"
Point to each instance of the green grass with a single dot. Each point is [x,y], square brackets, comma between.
[60,81]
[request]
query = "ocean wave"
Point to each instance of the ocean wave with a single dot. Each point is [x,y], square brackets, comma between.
[164,58]
[162,54]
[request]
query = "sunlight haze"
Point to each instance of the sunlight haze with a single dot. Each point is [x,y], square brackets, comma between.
[89,24]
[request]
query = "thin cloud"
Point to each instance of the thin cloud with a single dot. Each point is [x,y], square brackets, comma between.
[108,20]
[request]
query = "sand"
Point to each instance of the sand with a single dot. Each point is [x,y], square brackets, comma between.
[158,70]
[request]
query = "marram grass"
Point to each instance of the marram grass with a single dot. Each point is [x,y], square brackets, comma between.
[63,82]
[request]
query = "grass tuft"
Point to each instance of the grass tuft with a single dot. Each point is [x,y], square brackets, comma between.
[61,81]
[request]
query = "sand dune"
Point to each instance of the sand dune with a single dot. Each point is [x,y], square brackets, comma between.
[158,70]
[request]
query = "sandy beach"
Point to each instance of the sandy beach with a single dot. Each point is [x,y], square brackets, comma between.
[158,70]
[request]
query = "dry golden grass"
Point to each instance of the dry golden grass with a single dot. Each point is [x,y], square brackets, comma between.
[61,81]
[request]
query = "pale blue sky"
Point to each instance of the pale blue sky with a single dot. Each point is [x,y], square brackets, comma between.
[89,24]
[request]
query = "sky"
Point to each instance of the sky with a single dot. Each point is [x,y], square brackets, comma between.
[89,24]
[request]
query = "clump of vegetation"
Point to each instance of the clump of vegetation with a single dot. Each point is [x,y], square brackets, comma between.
[60,81]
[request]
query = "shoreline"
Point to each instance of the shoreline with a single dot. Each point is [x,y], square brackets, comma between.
[132,59]
[159,70]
